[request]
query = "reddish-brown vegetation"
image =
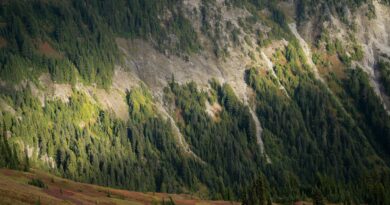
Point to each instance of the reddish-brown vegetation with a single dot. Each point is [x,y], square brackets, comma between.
[14,189]
[47,50]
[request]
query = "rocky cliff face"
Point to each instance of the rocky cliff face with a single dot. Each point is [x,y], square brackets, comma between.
[370,31]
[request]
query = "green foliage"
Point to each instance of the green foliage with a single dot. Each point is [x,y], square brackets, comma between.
[341,52]
[38,183]
[346,53]
[80,138]
[256,194]
[38,202]
[26,165]
[227,144]
[247,3]
[310,130]
[376,123]
[169,202]
[140,18]
[83,36]
[376,187]
[318,199]
[279,17]
[357,53]
[87,49]
[384,70]
[8,154]
[140,103]
[310,8]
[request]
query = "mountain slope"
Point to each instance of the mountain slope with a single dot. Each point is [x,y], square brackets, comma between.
[201,96]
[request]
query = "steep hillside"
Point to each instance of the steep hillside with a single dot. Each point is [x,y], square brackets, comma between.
[201,96]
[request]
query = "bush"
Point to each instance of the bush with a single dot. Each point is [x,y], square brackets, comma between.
[38,183]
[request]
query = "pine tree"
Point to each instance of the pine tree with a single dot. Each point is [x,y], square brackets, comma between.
[318,199]
[256,194]
[26,166]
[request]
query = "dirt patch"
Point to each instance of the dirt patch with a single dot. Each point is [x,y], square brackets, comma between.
[62,92]
[114,101]
[63,195]
[178,113]
[124,80]
[275,46]
[336,65]
[47,50]
[49,90]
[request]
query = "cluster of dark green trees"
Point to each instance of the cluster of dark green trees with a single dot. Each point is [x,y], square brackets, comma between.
[83,34]
[8,155]
[227,144]
[384,70]
[84,44]
[80,138]
[336,143]
[257,193]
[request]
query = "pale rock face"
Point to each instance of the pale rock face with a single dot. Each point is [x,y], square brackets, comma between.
[306,49]
[270,67]
[48,160]
[31,153]
[213,110]
[371,34]
[374,35]
[375,39]
[114,99]
[50,90]
[8,134]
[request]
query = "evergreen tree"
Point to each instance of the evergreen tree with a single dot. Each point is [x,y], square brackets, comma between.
[256,194]
[318,199]
[26,165]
